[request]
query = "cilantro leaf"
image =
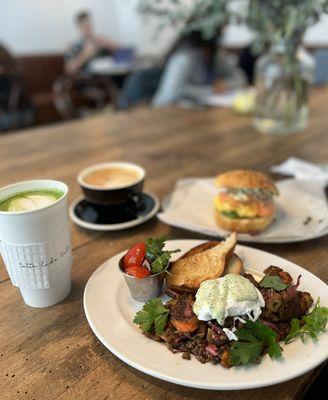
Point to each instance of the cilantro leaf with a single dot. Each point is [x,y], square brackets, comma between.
[253,339]
[159,259]
[161,262]
[153,313]
[293,330]
[267,336]
[143,320]
[245,336]
[155,246]
[245,353]
[160,323]
[274,350]
[311,324]
[273,282]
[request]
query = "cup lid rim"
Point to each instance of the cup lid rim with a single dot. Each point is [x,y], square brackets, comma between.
[12,185]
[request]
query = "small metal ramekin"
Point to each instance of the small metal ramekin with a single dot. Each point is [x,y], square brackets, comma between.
[143,289]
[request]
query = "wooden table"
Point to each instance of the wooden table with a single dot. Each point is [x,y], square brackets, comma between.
[52,353]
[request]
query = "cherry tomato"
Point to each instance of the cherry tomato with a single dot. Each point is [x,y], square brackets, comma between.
[135,256]
[137,272]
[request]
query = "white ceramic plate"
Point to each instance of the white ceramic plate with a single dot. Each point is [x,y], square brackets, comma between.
[110,310]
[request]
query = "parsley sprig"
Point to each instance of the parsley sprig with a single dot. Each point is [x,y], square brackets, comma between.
[310,325]
[253,339]
[153,314]
[158,258]
[273,282]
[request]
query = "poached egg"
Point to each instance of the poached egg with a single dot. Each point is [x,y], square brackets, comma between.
[229,296]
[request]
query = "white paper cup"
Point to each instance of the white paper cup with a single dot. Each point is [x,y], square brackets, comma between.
[36,247]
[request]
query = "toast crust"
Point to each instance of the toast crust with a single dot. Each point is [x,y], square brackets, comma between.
[246,179]
[234,266]
[200,248]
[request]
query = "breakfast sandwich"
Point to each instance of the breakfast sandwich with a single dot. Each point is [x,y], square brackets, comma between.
[245,201]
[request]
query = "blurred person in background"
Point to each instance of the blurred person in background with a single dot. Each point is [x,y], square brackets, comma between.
[247,61]
[88,47]
[80,92]
[193,61]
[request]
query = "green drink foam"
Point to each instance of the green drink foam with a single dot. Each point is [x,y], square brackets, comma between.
[30,200]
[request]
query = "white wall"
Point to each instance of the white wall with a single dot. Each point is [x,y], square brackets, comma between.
[316,35]
[39,26]
[44,26]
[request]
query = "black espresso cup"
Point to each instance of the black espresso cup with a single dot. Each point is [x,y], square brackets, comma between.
[112,183]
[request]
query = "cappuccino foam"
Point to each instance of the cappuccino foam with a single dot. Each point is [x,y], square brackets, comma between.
[112,177]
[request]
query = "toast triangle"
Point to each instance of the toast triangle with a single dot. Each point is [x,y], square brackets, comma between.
[187,273]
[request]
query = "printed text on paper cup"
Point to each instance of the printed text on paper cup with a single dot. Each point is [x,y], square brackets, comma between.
[45,263]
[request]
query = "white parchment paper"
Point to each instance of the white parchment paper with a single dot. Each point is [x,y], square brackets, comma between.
[191,207]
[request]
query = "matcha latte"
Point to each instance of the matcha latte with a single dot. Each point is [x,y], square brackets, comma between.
[30,200]
[35,240]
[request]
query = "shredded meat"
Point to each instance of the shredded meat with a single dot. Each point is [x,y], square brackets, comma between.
[281,328]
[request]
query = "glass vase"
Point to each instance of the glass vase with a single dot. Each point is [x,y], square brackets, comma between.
[283,79]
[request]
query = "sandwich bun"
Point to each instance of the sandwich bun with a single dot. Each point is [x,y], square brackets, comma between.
[246,179]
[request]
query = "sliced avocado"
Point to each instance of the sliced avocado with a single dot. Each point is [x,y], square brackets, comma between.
[230,214]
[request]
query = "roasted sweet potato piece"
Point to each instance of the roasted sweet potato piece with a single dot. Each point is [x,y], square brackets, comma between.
[185,326]
[182,315]
[224,358]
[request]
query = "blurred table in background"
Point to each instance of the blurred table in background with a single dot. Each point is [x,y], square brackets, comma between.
[52,353]
[108,66]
